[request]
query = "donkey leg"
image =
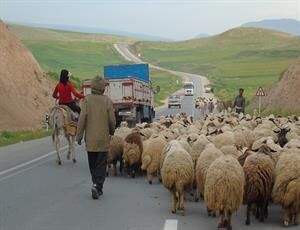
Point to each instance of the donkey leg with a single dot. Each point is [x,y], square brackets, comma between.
[57,146]
[69,139]
[73,149]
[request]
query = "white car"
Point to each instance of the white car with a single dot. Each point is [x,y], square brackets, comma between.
[174,101]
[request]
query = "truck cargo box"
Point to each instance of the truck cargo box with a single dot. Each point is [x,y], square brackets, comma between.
[137,71]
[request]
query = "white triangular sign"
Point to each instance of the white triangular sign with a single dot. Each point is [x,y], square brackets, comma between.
[260,92]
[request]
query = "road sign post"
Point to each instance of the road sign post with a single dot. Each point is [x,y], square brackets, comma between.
[260,93]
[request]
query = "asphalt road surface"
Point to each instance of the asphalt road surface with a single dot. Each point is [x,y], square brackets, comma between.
[37,194]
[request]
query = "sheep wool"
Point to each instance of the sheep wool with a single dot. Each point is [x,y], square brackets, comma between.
[152,154]
[224,188]
[177,173]
[207,157]
[259,171]
[286,190]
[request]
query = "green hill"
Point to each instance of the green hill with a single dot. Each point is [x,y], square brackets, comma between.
[242,57]
[83,54]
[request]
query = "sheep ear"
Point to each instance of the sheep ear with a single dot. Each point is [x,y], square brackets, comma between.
[167,138]
[276,131]
[189,140]
[141,134]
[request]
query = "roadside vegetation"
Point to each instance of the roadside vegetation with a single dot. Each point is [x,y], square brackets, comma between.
[242,57]
[8,138]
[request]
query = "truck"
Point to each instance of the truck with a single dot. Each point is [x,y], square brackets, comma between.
[188,88]
[130,90]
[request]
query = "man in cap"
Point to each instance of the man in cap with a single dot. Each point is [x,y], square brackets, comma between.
[239,102]
[97,122]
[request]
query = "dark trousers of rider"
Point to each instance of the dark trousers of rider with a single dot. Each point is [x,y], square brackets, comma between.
[97,165]
[73,107]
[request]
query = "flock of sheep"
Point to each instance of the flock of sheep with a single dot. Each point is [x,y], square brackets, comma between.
[228,159]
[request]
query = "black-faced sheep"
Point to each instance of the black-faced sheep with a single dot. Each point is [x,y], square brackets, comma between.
[132,151]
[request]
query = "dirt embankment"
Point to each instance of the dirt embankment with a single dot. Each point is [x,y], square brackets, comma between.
[284,97]
[25,92]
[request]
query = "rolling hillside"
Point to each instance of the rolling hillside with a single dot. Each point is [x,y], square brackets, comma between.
[242,57]
[84,55]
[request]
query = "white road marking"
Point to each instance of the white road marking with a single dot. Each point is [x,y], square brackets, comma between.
[17,167]
[171,225]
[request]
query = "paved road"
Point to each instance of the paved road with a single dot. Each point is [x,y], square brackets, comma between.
[187,101]
[37,194]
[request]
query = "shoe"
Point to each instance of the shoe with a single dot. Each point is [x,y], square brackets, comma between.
[96,193]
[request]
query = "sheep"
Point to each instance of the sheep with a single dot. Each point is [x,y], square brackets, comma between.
[286,190]
[231,150]
[198,146]
[222,139]
[115,153]
[132,151]
[152,154]
[259,170]
[177,173]
[224,188]
[207,157]
[123,131]
[146,133]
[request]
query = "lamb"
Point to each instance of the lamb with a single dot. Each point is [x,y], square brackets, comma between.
[207,157]
[286,190]
[177,173]
[224,188]
[152,154]
[259,170]
[115,153]
[133,148]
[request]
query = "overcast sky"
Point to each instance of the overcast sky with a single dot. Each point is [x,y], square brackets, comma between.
[175,19]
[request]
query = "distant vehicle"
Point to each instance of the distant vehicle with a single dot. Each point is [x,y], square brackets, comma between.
[208,89]
[188,88]
[174,101]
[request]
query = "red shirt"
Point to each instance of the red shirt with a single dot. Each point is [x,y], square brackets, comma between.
[63,93]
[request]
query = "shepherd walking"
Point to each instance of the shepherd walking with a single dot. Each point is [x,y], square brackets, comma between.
[97,124]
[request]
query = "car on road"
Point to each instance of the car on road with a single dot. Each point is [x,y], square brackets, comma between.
[174,101]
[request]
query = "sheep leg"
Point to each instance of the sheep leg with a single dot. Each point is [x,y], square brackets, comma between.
[121,165]
[221,223]
[115,167]
[229,220]
[286,217]
[181,202]
[261,208]
[149,177]
[297,219]
[197,195]
[248,214]
[266,213]
[174,201]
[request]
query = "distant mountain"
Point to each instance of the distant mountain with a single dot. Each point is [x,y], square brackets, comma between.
[95,30]
[285,25]
[201,36]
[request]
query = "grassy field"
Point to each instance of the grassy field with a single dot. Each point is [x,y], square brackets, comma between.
[243,57]
[85,55]
[168,85]
[83,59]
[8,138]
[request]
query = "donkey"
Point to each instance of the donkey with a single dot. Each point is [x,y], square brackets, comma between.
[57,122]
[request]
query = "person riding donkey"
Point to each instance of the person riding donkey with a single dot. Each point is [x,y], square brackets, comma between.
[63,93]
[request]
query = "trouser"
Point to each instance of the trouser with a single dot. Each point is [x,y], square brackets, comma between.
[73,107]
[97,165]
[240,111]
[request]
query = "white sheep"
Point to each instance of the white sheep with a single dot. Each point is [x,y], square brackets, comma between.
[224,188]
[177,173]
